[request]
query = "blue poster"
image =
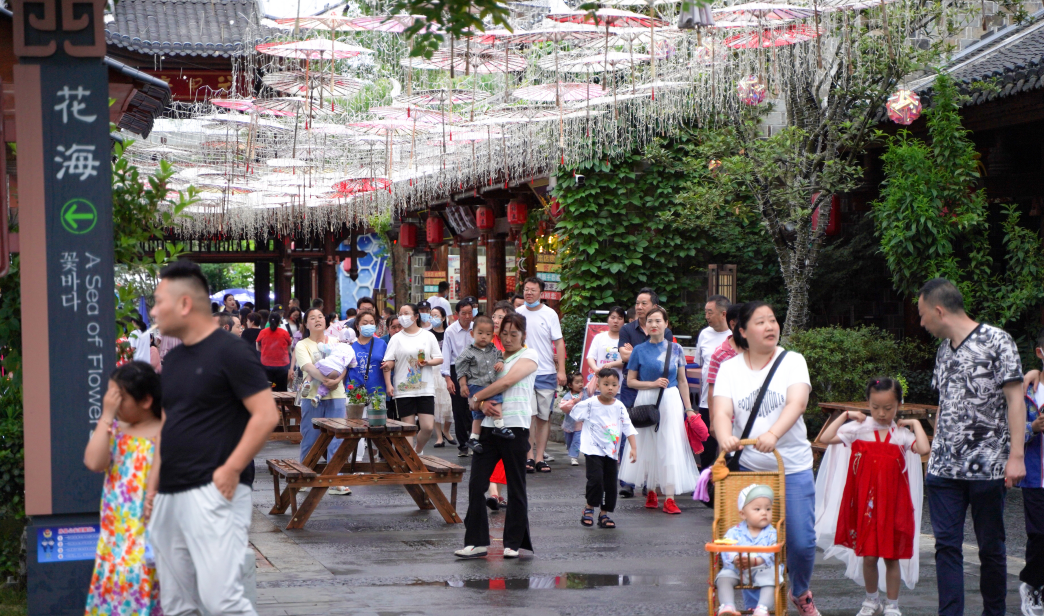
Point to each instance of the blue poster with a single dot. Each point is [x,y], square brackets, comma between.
[56,544]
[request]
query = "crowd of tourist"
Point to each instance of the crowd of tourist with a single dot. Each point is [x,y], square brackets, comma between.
[182,423]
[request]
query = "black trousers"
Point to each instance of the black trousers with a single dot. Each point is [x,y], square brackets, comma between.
[277,376]
[710,446]
[461,415]
[1033,503]
[516,520]
[601,482]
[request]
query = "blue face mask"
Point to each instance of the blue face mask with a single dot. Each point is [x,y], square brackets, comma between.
[425,317]
[533,305]
[367,331]
[436,321]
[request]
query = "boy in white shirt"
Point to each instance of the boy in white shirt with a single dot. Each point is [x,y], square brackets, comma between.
[605,421]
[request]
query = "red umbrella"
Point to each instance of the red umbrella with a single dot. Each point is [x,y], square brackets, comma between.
[354,186]
[773,37]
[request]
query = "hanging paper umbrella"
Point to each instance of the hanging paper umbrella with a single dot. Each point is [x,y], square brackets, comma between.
[482,62]
[319,22]
[773,37]
[238,104]
[596,63]
[403,114]
[545,93]
[312,49]
[354,186]
[287,163]
[294,83]
[467,138]
[904,106]
[435,98]
[761,11]
[751,90]
[609,17]
[565,32]
[395,24]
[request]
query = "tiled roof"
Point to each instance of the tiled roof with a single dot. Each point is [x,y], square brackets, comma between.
[1008,62]
[187,27]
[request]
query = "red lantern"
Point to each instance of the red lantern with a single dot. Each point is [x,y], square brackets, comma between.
[556,208]
[834,226]
[433,230]
[484,218]
[408,235]
[516,213]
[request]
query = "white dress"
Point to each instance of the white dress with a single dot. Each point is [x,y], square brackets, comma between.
[443,403]
[665,459]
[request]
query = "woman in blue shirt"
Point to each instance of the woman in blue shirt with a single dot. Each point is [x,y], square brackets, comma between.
[369,353]
[665,459]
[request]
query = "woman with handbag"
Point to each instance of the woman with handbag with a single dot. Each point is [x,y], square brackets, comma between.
[665,460]
[762,394]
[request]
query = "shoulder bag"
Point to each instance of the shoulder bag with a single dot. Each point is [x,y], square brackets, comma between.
[732,462]
[646,415]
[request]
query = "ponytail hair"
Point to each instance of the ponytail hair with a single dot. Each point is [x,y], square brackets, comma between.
[274,319]
[884,383]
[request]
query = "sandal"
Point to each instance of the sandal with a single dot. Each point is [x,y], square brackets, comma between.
[542,467]
[605,522]
[531,466]
[502,501]
[588,518]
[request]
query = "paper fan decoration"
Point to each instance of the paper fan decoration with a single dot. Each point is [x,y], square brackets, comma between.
[904,106]
[751,90]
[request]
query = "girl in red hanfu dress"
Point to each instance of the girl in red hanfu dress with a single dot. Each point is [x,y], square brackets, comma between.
[878,514]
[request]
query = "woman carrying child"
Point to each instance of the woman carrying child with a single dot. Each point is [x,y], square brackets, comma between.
[123,446]
[875,466]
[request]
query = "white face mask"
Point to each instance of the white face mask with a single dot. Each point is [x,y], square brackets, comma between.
[405,320]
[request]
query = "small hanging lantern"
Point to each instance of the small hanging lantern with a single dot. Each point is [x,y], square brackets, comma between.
[433,230]
[484,219]
[834,226]
[516,213]
[904,106]
[751,90]
[556,208]
[408,235]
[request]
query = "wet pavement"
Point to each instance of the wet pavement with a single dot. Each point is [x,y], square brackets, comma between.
[375,553]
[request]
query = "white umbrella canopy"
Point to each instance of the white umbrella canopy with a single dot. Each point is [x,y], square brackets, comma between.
[547,93]
[482,62]
[295,83]
[614,60]
[436,98]
[763,11]
[312,49]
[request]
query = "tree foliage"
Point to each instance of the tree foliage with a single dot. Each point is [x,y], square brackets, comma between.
[932,220]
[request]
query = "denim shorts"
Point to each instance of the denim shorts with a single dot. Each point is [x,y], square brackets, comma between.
[474,390]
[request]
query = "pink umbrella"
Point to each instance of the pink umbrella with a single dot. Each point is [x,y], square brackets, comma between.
[354,186]
[434,98]
[294,83]
[395,24]
[569,92]
[789,35]
[313,48]
[425,116]
[762,11]
[319,22]
[238,104]
[483,62]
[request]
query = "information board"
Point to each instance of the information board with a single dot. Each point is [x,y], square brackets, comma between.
[62,544]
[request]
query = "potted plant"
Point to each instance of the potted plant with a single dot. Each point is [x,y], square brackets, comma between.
[378,413]
[357,400]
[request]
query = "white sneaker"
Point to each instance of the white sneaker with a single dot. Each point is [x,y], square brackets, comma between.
[727,610]
[574,462]
[761,610]
[471,552]
[870,608]
[340,491]
[892,611]
[1032,600]
[509,553]
[548,457]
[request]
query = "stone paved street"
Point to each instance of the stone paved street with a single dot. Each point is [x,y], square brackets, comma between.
[375,553]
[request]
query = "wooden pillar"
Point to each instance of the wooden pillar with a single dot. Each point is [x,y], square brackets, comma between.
[284,272]
[496,272]
[303,282]
[469,269]
[328,275]
[400,264]
[262,285]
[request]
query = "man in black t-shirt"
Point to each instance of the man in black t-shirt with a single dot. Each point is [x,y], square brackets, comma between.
[217,414]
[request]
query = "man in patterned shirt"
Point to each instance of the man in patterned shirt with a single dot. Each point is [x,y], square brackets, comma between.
[978,445]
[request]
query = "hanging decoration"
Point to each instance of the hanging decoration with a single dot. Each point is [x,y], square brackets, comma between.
[904,107]
[751,90]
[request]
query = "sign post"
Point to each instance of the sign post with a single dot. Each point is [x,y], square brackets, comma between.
[68,312]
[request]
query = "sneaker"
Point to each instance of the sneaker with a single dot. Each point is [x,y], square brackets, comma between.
[509,553]
[892,611]
[761,610]
[1032,600]
[548,457]
[805,605]
[462,453]
[471,552]
[669,506]
[651,502]
[728,610]
[574,462]
[627,493]
[870,608]
[340,491]
[504,433]
[474,445]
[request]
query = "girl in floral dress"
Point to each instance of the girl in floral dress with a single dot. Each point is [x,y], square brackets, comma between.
[123,446]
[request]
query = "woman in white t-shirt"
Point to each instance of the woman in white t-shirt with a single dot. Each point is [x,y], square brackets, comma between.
[604,351]
[779,427]
[408,375]
[516,382]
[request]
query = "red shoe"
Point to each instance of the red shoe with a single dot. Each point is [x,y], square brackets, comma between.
[651,502]
[670,507]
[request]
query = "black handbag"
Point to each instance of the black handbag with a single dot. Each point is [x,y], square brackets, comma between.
[732,461]
[647,415]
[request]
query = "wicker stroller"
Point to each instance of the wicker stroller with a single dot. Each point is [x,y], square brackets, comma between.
[726,492]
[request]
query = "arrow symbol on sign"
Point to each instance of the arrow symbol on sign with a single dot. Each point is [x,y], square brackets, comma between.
[71,217]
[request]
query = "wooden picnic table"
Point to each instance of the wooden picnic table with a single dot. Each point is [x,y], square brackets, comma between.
[400,465]
[926,413]
[289,428]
